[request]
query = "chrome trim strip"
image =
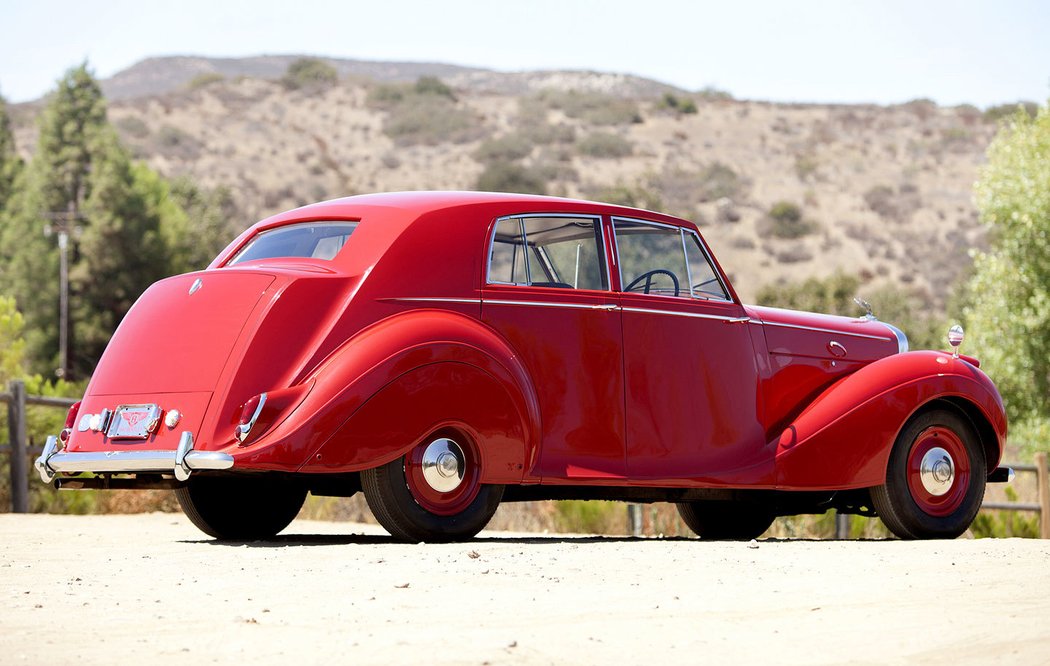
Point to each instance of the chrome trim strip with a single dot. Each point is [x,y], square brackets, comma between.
[902,339]
[437,299]
[821,330]
[696,315]
[180,462]
[543,304]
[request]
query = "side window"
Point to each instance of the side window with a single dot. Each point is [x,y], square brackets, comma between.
[507,257]
[702,275]
[548,251]
[652,259]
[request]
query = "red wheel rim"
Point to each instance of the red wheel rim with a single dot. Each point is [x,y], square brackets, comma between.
[938,471]
[443,490]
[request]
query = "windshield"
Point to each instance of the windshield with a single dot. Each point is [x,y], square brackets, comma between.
[315,240]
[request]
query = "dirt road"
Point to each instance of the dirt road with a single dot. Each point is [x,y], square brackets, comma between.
[103,589]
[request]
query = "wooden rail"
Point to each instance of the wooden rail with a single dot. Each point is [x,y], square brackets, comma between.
[19,448]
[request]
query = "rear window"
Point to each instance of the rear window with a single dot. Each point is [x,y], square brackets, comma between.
[314,240]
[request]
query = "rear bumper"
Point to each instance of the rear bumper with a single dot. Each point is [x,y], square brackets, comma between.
[180,462]
[1001,475]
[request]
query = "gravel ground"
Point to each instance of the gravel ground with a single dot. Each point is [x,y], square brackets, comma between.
[102,589]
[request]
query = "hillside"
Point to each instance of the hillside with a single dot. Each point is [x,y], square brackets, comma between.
[884,192]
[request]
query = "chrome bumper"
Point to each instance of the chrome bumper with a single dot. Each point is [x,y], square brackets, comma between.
[179,462]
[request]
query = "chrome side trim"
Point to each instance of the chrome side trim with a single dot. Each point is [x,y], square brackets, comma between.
[822,330]
[902,339]
[438,299]
[695,315]
[544,304]
[180,462]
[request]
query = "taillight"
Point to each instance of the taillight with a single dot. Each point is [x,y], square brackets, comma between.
[71,415]
[71,420]
[249,415]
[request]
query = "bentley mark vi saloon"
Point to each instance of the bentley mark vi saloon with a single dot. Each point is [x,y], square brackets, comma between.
[442,352]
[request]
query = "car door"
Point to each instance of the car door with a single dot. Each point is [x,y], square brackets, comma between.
[691,379]
[547,293]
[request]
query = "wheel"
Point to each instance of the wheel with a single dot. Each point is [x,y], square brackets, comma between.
[233,508]
[935,478]
[724,520]
[434,492]
[648,277]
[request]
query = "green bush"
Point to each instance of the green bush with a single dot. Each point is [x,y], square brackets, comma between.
[625,195]
[432,85]
[511,177]
[204,80]
[594,108]
[1000,111]
[671,102]
[785,220]
[504,149]
[831,295]
[605,145]
[308,73]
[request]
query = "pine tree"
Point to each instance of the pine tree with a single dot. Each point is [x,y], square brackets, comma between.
[10,162]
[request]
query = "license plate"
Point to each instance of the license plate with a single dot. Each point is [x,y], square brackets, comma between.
[133,421]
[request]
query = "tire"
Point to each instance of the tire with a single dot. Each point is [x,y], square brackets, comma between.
[416,502]
[941,501]
[231,508]
[723,520]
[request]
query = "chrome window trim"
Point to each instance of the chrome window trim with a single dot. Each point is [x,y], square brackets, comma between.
[714,268]
[685,252]
[694,315]
[596,218]
[821,330]
[551,304]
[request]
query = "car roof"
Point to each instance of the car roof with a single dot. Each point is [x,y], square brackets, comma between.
[420,202]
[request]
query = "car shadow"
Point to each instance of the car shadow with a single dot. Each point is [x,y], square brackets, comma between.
[285,540]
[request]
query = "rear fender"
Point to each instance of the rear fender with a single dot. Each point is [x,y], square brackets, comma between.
[844,438]
[378,394]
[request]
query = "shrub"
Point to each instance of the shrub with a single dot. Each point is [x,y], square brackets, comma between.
[681,190]
[432,85]
[534,126]
[423,113]
[204,80]
[511,177]
[605,145]
[671,102]
[594,108]
[504,149]
[174,142]
[832,295]
[132,126]
[785,220]
[893,205]
[625,195]
[1000,111]
[309,72]
[430,120]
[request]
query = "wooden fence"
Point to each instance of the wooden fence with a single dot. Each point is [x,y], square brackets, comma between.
[20,453]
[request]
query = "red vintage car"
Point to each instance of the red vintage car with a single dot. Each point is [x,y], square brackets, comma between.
[446,351]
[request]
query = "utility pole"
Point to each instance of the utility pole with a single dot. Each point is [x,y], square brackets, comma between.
[63,223]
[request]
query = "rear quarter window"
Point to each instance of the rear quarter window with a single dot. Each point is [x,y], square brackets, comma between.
[314,240]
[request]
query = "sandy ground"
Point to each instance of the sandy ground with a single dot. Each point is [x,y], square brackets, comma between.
[106,589]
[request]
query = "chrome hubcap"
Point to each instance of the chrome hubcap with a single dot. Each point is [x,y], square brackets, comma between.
[443,465]
[937,471]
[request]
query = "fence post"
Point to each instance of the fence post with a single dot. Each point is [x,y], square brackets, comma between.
[842,525]
[1043,479]
[16,423]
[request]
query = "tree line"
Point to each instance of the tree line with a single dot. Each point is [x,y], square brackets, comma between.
[126,227]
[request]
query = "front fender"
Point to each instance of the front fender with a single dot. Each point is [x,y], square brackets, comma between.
[844,438]
[377,394]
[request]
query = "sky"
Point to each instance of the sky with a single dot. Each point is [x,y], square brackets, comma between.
[884,52]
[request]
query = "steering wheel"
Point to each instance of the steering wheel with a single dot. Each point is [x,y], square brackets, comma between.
[648,277]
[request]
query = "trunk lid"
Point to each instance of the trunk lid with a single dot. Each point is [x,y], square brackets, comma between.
[179,334]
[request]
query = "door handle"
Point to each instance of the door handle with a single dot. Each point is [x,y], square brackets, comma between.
[738,320]
[607,306]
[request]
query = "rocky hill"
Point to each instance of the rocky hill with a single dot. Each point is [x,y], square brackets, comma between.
[782,192]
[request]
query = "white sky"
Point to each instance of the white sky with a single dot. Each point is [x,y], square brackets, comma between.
[887,51]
